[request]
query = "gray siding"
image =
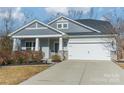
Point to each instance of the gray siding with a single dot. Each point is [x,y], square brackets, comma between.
[24,40]
[72,27]
[44,47]
[36,32]
[42,31]
[52,40]
[33,25]
[39,25]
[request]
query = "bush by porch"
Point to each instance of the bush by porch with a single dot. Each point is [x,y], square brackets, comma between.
[20,57]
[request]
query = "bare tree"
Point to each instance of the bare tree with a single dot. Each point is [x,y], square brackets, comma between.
[118,24]
[8,25]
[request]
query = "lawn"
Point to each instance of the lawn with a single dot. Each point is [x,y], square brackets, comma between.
[15,74]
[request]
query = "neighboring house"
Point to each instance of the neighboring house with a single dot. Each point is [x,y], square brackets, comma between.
[74,39]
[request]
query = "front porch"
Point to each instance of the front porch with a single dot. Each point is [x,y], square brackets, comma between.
[48,46]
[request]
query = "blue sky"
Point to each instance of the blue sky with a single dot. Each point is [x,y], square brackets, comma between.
[45,13]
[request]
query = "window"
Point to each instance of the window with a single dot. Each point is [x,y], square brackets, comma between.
[62,25]
[30,45]
[59,26]
[65,25]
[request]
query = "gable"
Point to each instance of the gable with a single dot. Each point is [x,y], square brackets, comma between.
[35,25]
[27,31]
[73,27]
[35,28]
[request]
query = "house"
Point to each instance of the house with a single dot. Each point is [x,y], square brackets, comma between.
[83,39]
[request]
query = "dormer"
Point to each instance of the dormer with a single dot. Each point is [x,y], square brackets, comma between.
[62,24]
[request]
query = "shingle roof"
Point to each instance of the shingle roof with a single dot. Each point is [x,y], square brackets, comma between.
[104,26]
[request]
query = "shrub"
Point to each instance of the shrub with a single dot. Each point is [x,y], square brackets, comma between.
[18,57]
[37,56]
[2,62]
[56,58]
[4,57]
[21,60]
[27,56]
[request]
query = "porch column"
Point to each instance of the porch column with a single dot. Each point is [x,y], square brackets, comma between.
[60,44]
[15,44]
[37,44]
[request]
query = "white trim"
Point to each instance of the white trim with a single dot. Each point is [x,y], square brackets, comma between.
[38,22]
[51,27]
[14,45]
[38,28]
[62,20]
[88,36]
[62,24]
[32,48]
[22,28]
[36,25]
[60,44]
[75,22]
[49,47]
[37,44]
[36,36]
[59,24]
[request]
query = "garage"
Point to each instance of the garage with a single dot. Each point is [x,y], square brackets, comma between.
[91,50]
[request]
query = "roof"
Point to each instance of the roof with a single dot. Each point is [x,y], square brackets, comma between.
[76,22]
[97,27]
[104,27]
[21,29]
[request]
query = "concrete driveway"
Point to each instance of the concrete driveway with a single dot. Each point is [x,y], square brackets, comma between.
[79,73]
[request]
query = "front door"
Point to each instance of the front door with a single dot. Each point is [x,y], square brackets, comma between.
[56,47]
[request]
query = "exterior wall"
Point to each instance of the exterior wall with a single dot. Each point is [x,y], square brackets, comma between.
[44,47]
[22,41]
[52,47]
[36,29]
[90,40]
[34,25]
[47,46]
[107,42]
[94,40]
[72,27]
[26,32]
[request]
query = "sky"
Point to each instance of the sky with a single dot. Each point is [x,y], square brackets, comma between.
[45,13]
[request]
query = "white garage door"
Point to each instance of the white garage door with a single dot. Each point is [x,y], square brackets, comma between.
[91,51]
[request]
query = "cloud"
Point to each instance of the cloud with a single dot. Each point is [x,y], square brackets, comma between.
[16,13]
[103,18]
[54,10]
[64,10]
[84,9]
